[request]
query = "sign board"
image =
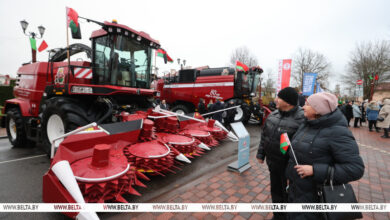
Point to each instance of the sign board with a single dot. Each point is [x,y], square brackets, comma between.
[309,80]
[242,162]
[359,82]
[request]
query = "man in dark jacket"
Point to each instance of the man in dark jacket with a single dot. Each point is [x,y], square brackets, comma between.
[215,107]
[230,114]
[348,112]
[202,107]
[286,119]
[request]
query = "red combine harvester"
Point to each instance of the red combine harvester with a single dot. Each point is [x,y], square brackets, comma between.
[183,91]
[88,117]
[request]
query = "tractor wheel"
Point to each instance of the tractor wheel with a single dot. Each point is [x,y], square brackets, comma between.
[181,109]
[60,116]
[243,113]
[15,128]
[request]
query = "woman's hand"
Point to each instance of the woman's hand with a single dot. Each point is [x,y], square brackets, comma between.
[304,170]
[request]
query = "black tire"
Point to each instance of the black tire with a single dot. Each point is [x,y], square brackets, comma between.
[246,113]
[71,112]
[19,137]
[181,108]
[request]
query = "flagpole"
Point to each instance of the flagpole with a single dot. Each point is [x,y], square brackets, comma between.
[67,39]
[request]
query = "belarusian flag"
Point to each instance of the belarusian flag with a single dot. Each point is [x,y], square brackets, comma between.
[73,24]
[284,143]
[43,46]
[161,52]
[241,67]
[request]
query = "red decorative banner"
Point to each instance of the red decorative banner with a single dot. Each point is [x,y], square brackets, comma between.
[284,74]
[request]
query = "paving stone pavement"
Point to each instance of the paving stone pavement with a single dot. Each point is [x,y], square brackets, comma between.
[253,186]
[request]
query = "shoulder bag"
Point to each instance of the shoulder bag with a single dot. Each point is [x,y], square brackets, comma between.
[343,193]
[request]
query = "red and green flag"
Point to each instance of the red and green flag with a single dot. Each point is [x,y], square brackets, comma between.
[161,53]
[284,143]
[33,43]
[73,23]
[241,67]
[43,46]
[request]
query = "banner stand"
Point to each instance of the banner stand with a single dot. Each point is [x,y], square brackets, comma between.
[242,163]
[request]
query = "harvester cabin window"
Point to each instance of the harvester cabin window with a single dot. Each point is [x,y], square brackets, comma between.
[122,61]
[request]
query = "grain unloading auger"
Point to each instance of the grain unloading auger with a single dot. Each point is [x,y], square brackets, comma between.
[101,163]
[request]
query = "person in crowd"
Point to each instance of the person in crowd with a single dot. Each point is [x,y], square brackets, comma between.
[362,108]
[357,114]
[286,119]
[209,105]
[164,105]
[372,115]
[301,99]
[202,107]
[323,140]
[215,107]
[230,114]
[385,115]
[348,111]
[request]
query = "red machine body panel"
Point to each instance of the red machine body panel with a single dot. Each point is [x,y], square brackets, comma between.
[206,87]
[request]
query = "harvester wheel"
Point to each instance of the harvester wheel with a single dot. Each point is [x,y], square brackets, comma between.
[60,116]
[243,113]
[15,128]
[181,109]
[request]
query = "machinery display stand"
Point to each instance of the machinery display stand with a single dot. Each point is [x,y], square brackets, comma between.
[242,163]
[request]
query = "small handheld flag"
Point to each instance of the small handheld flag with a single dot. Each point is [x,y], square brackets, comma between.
[285,144]
[241,67]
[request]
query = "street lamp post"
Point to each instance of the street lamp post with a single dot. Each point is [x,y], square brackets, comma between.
[181,65]
[33,35]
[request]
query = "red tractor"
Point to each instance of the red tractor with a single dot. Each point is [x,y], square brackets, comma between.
[55,97]
[183,91]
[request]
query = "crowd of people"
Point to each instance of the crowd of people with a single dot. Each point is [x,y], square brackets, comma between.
[320,141]
[375,113]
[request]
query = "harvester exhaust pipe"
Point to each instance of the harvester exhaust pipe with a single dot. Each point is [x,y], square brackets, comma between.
[65,174]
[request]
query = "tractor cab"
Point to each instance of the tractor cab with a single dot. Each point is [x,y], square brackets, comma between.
[122,56]
[246,82]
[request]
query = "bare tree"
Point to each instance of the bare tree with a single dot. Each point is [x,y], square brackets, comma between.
[269,84]
[308,61]
[367,60]
[243,55]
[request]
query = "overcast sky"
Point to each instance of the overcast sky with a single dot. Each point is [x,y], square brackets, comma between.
[206,32]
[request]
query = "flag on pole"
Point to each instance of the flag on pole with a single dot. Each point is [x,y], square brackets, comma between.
[284,143]
[43,46]
[33,43]
[161,52]
[370,76]
[73,23]
[376,77]
[241,67]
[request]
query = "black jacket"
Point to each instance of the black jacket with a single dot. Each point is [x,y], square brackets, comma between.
[217,106]
[202,108]
[231,112]
[323,142]
[276,124]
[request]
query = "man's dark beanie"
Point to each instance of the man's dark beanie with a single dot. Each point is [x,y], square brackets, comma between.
[289,95]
